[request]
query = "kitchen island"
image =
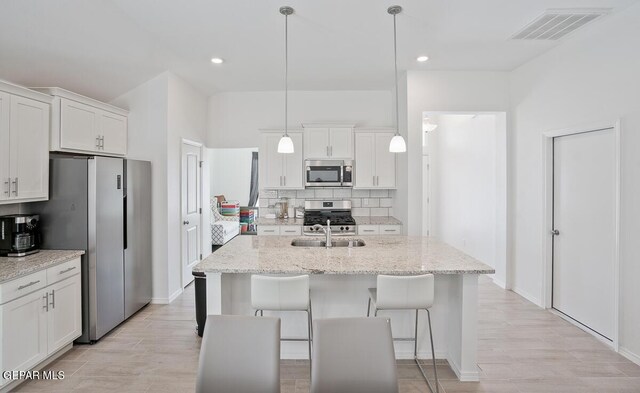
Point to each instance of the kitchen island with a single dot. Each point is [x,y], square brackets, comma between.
[340,277]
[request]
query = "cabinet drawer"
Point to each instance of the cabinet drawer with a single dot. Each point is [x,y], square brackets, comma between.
[22,286]
[289,230]
[368,230]
[390,229]
[62,271]
[268,230]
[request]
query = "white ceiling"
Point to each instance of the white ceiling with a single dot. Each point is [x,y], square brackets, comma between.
[103,48]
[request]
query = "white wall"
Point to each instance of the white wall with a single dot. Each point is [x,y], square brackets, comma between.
[592,77]
[236,117]
[230,173]
[161,112]
[147,141]
[463,172]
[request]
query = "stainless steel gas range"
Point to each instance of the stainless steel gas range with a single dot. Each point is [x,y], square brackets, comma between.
[338,213]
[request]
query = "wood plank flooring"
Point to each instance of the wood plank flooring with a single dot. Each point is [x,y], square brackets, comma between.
[522,349]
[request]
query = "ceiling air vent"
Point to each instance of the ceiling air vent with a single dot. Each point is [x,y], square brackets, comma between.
[557,23]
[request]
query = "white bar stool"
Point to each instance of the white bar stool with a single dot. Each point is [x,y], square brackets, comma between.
[407,293]
[283,294]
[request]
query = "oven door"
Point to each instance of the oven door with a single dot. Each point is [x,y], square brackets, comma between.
[323,173]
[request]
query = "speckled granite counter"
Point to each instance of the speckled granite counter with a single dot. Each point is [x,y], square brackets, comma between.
[380,255]
[12,268]
[373,220]
[279,221]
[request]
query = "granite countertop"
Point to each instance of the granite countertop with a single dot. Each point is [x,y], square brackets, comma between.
[373,220]
[279,221]
[11,268]
[381,255]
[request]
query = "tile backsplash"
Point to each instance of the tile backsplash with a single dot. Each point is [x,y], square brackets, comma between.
[363,202]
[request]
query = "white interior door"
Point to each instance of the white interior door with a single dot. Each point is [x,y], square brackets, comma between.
[584,216]
[191,212]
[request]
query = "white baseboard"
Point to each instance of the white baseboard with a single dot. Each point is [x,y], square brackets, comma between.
[499,283]
[165,300]
[468,376]
[528,296]
[629,355]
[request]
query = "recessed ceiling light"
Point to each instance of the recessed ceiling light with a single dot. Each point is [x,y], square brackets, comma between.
[422,59]
[217,60]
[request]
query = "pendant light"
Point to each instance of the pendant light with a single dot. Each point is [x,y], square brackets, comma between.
[397,144]
[286,144]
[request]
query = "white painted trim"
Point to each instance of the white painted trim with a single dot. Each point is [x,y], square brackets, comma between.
[468,376]
[547,244]
[59,92]
[528,296]
[22,91]
[499,283]
[629,355]
[165,300]
[328,125]
[582,327]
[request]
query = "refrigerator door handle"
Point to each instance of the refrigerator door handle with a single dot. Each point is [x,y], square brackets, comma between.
[124,222]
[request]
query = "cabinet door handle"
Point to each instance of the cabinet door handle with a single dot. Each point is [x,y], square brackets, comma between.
[368,230]
[8,186]
[98,142]
[331,151]
[102,142]
[327,151]
[46,301]
[15,186]
[67,270]
[285,180]
[21,287]
[53,299]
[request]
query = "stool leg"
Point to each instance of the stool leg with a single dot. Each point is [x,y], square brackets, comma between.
[433,355]
[309,339]
[369,307]
[433,352]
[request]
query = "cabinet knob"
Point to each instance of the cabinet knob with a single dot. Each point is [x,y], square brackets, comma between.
[185,222]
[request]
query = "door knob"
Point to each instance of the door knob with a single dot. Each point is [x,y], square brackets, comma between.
[555,232]
[185,222]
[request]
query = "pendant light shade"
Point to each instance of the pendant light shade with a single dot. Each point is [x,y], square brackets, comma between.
[397,144]
[285,145]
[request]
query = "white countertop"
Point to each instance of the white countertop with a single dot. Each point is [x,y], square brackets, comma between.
[381,255]
[12,268]
[360,220]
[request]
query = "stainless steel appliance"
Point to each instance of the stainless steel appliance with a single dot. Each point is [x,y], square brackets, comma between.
[337,212]
[328,173]
[19,235]
[103,206]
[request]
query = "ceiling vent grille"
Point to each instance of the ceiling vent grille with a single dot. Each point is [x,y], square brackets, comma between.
[557,23]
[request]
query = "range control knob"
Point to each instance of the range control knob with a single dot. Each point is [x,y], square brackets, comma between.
[347,228]
[342,228]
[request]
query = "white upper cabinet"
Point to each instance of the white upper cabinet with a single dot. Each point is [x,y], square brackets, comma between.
[24,144]
[330,142]
[84,125]
[375,166]
[277,170]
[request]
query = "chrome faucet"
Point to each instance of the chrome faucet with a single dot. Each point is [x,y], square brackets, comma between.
[327,232]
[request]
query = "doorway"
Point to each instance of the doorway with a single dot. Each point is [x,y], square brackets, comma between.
[583,228]
[191,208]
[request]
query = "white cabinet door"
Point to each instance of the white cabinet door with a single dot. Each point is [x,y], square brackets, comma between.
[5,182]
[390,229]
[291,230]
[385,162]
[78,126]
[113,129]
[24,332]
[268,230]
[341,143]
[364,160]
[65,313]
[368,230]
[271,162]
[29,141]
[293,173]
[316,143]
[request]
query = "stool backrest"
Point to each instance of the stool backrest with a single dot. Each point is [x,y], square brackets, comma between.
[240,354]
[405,292]
[280,293]
[353,355]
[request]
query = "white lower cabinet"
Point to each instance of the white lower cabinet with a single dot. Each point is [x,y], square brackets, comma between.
[37,324]
[291,230]
[279,230]
[379,229]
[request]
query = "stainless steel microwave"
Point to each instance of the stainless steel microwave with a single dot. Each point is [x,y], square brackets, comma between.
[328,173]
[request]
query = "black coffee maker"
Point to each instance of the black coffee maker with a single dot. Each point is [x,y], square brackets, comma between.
[19,235]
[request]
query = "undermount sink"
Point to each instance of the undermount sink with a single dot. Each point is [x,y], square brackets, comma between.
[323,243]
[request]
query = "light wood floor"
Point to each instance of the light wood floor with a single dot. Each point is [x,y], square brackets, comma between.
[522,349]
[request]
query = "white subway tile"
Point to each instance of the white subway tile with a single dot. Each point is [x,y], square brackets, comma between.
[386,202]
[356,202]
[324,193]
[305,194]
[360,212]
[379,211]
[287,193]
[342,193]
[360,193]
[370,202]
[269,193]
[379,193]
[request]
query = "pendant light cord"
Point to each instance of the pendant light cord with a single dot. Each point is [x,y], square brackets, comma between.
[395,59]
[286,72]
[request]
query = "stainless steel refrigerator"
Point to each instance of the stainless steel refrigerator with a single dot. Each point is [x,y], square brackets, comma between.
[102,205]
